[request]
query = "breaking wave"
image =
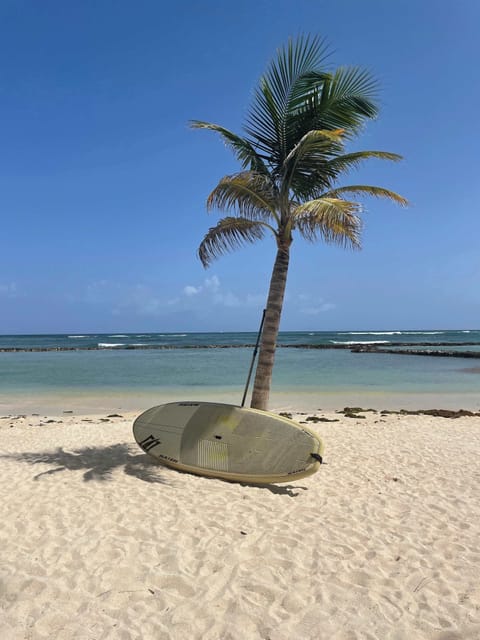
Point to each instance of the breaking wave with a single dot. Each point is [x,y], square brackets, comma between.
[110,345]
[360,341]
[390,333]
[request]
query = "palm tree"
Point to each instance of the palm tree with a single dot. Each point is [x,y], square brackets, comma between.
[292,155]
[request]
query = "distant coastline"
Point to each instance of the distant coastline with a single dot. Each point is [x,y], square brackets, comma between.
[353,347]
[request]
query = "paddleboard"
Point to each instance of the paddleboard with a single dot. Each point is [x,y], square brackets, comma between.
[228,442]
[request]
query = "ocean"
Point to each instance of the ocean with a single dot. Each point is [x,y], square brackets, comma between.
[313,370]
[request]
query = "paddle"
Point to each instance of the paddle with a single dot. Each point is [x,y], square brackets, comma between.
[253,359]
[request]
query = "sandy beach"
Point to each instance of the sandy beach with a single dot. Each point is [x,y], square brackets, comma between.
[99,541]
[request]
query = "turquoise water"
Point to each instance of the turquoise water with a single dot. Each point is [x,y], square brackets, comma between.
[113,376]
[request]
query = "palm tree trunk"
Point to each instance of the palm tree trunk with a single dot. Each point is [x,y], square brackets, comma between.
[273,311]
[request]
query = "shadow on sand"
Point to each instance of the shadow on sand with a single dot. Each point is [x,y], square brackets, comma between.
[98,463]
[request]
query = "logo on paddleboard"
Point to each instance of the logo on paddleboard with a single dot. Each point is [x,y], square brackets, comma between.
[149,443]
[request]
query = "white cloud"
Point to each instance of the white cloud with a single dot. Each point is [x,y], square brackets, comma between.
[190,290]
[210,292]
[212,284]
[144,300]
[209,284]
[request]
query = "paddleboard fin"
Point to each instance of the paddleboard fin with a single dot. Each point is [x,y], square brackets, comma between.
[317,456]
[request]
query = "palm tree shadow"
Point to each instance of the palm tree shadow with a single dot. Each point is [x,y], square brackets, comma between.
[98,463]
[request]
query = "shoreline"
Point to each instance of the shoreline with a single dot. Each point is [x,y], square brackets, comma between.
[355,412]
[40,419]
[381,542]
[88,402]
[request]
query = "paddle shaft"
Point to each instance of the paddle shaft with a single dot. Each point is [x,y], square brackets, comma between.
[253,359]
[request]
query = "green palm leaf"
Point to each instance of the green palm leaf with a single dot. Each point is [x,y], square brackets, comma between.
[309,158]
[282,90]
[342,163]
[229,234]
[348,100]
[344,100]
[242,148]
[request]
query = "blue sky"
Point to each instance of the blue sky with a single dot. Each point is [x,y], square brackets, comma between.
[103,184]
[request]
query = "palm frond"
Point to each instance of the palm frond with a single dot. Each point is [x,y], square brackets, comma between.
[318,173]
[318,142]
[242,148]
[342,100]
[310,157]
[229,234]
[281,90]
[335,220]
[368,190]
[348,100]
[251,194]
[347,161]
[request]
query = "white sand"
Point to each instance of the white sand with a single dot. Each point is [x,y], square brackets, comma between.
[99,542]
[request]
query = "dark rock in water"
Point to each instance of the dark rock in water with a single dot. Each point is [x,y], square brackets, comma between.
[317,419]
[355,348]
[354,415]
[114,415]
[285,415]
[369,348]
